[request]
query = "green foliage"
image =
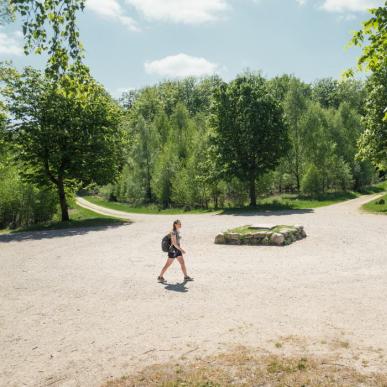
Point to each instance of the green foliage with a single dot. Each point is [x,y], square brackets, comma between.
[142,209]
[378,206]
[373,39]
[164,172]
[312,182]
[340,176]
[50,26]
[22,204]
[65,134]
[330,93]
[250,133]
[175,144]
[295,105]
[373,141]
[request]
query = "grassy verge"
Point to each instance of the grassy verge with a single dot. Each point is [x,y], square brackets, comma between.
[243,367]
[295,202]
[377,206]
[80,217]
[275,203]
[152,209]
[272,203]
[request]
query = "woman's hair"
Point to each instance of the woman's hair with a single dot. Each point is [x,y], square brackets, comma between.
[177,221]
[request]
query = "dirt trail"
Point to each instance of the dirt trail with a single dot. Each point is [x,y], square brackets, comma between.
[81,306]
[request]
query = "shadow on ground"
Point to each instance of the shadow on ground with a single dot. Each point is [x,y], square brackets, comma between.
[264,211]
[52,233]
[179,287]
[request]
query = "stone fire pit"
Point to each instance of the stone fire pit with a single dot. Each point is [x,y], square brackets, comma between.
[261,235]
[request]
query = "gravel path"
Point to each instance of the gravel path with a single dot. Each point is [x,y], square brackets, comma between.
[81,306]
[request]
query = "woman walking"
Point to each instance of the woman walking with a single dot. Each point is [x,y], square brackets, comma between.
[175,252]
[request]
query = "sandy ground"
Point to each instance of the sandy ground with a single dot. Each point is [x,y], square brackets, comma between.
[81,306]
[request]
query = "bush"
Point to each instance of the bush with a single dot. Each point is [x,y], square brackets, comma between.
[312,182]
[363,174]
[340,176]
[23,204]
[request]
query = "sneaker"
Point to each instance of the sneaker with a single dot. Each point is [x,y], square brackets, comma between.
[161,279]
[188,278]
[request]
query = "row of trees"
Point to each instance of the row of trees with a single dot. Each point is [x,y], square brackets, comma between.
[185,143]
[199,143]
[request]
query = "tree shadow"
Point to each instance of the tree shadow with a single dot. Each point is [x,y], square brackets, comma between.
[178,287]
[81,228]
[265,211]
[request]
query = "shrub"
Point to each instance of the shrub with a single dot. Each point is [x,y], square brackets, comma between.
[312,183]
[23,204]
[340,176]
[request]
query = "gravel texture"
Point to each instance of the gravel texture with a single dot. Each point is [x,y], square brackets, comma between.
[81,306]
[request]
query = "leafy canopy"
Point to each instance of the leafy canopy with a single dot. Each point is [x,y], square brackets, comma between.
[250,133]
[64,133]
[373,39]
[49,26]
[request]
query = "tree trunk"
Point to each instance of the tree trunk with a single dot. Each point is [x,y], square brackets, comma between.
[149,193]
[63,202]
[253,193]
[298,183]
[215,198]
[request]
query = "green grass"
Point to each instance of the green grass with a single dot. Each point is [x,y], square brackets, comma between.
[245,230]
[294,202]
[152,209]
[80,217]
[376,206]
[272,203]
[376,188]
[275,203]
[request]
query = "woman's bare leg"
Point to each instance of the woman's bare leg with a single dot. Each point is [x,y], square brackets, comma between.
[182,265]
[166,266]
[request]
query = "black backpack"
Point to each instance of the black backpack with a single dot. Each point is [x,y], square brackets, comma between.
[166,243]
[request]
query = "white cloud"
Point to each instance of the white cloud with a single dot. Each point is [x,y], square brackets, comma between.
[181,11]
[180,66]
[349,5]
[10,44]
[111,9]
[301,2]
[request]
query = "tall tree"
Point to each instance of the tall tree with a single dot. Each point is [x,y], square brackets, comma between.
[326,92]
[251,135]
[295,105]
[373,141]
[145,150]
[373,40]
[65,133]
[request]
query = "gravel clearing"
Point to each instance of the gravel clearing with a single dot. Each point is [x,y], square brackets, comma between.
[81,306]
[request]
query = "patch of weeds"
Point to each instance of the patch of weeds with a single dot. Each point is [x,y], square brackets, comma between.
[245,367]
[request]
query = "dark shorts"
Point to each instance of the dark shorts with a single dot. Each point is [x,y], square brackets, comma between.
[174,253]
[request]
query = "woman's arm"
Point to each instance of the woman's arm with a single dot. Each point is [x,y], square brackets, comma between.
[175,245]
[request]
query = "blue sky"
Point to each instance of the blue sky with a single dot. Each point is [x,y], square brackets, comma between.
[133,43]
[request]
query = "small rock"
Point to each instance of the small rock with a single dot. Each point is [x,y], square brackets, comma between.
[233,236]
[220,239]
[277,239]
